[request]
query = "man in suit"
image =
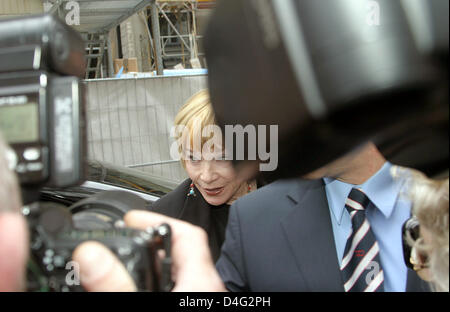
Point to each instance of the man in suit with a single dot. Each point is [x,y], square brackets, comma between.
[291,235]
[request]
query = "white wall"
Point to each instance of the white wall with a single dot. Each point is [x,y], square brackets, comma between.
[10,8]
[136,41]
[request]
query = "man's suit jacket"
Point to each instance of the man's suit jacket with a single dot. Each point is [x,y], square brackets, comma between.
[280,238]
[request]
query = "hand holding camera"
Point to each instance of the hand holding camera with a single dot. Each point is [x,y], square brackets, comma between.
[42,116]
[192,268]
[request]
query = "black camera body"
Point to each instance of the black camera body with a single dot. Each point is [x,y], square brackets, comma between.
[42,117]
[54,236]
[42,101]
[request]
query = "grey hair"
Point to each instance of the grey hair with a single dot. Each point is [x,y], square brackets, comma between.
[10,199]
[430,205]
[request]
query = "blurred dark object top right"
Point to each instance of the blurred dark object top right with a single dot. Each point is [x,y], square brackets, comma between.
[333,75]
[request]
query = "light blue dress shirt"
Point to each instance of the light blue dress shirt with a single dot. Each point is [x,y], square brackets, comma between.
[386,214]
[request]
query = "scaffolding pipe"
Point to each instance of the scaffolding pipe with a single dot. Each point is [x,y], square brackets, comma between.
[175,30]
[110,56]
[156,38]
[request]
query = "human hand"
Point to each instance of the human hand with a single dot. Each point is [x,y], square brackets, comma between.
[192,269]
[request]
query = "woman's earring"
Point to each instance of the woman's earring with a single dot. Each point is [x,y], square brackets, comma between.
[191,190]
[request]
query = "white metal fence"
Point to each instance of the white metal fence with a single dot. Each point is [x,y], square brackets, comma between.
[129,121]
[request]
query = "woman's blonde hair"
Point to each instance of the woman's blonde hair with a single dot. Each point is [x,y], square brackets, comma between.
[430,205]
[194,115]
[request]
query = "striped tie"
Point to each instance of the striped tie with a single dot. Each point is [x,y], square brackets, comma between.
[361,266]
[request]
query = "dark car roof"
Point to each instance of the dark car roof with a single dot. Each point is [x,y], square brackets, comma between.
[129,178]
[104,176]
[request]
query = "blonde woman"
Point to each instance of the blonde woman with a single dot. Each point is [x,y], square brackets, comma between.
[426,234]
[205,197]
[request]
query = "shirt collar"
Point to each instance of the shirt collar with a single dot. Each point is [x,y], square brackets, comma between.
[381,189]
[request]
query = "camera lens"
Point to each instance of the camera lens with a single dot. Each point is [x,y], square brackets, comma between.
[104,210]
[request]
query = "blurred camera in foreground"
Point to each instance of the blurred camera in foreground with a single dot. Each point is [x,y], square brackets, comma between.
[42,117]
[333,75]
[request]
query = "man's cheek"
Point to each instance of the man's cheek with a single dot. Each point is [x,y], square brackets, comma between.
[13,251]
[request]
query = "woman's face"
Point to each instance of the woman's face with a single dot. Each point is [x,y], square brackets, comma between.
[215,179]
[427,240]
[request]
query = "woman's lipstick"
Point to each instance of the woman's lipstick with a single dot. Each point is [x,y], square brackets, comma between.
[214,191]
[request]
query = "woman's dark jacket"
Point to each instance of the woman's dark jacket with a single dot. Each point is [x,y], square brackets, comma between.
[195,210]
